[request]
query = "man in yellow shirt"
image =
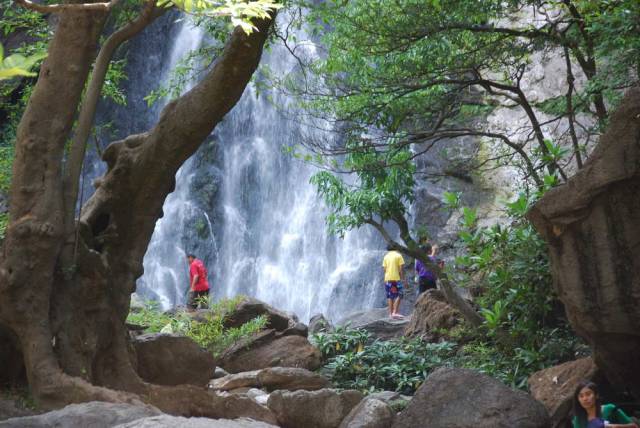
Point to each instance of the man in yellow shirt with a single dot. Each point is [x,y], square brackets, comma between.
[393,264]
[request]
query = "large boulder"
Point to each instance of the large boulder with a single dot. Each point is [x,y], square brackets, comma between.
[215,404]
[554,387]
[232,406]
[167,421]
[289,378]
[432,313]
[268,349]
[592,226]
[95,414]
[369,413]
[376,322]
[249,308]
[169,359]
[325,408]
[235,381]
[457,398]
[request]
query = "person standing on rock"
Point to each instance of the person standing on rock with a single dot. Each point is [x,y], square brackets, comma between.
[426,278]
[393,265]
[198,284]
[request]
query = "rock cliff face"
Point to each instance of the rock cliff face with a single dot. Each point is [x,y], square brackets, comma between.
[592,225]
[451,165]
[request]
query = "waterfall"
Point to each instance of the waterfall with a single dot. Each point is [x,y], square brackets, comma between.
[247,209]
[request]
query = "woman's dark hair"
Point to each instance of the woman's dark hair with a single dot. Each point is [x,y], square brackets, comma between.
[427,248]
[578,411]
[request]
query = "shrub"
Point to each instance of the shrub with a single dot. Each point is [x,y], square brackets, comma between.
[150,316]
[209,334]
[508,267]
[340,341]
[400,365]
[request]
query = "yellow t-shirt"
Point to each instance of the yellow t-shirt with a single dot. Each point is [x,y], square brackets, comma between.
[392,263]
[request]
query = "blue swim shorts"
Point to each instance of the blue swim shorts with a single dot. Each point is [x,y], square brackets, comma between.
[393,289]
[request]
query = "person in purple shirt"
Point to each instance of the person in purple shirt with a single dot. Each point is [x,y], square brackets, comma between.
[426,278]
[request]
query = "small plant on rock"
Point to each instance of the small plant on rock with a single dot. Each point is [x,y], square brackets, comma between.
[209,331]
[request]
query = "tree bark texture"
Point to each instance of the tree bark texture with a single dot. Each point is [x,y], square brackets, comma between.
[34,235]
[592,225]
[70,322]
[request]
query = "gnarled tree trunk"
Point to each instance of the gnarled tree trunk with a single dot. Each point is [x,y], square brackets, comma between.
[70,322]
[592,225]
[34,235]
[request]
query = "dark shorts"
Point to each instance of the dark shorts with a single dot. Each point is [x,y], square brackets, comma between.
[393,289]
[195,298]
[425,284]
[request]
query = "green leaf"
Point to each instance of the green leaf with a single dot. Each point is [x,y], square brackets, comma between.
[452,199]
[469,216]
[17,65]
[7,73]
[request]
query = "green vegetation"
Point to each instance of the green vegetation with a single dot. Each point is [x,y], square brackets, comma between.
[391,365]
[508,264]
[398,77]
[380,193]
[240,13]
[414,71]
[340,341]
[209,333]
[382,365]
[17,65]
[513,367]
[508,268]
[524,327]
[402,365]
[17,72]
[4,221]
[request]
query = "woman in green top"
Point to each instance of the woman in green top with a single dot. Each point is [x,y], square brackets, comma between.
[589,413]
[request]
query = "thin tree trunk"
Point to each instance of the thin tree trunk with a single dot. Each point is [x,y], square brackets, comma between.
[75,160]
[570,112]
[588,62]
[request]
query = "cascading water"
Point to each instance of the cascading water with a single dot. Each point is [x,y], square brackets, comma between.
[165,260]
[247,209]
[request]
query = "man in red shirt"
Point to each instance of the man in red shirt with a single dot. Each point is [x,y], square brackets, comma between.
[198,285]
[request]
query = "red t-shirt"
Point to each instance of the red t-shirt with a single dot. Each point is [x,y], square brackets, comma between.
[197,268]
